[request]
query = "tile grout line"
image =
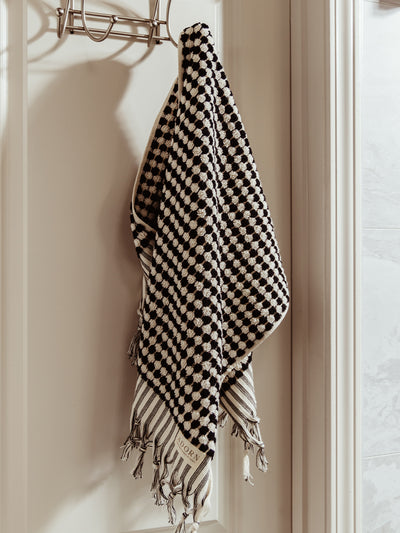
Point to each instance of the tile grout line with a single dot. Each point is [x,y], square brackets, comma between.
[380,455]
[369,228]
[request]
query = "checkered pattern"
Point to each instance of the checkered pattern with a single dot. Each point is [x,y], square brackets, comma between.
[215,287]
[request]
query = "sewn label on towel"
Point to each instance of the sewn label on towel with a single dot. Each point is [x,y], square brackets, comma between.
[192,455]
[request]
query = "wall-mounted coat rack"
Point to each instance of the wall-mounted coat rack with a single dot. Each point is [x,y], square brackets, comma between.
[77,21]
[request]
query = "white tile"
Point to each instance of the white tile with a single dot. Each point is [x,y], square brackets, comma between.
[381,494]
[380,341]
[380,172]
[380,38]
[380,116]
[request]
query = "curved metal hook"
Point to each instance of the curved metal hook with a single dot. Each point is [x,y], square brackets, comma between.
[167,25]
[64,14]
[104,35]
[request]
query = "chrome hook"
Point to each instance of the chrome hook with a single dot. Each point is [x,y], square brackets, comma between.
[62,22]
[66,20]
[153,23]
[113,20]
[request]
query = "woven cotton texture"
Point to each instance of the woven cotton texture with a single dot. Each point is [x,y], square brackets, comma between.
[213,285]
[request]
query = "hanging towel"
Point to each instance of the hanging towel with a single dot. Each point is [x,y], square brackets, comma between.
[213,283]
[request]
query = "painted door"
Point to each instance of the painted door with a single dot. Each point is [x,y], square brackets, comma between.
[75,117]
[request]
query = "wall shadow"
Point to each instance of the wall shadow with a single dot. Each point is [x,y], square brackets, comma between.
[84,285]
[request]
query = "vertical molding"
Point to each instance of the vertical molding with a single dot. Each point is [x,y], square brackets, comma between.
[3,119]
[346,257]
[311,268]
[325,245]
[13,108]
[358,47]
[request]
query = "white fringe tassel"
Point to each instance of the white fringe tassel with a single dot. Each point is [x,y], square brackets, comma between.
[246,469]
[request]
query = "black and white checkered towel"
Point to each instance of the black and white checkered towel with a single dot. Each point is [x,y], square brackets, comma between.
[213,285]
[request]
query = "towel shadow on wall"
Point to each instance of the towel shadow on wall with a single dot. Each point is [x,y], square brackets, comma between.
[80,158]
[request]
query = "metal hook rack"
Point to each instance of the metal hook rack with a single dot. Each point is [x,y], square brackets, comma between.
[69,17]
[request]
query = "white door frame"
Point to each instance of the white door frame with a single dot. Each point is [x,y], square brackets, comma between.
[325,293]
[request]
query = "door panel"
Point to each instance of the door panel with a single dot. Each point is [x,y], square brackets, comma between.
[79,115]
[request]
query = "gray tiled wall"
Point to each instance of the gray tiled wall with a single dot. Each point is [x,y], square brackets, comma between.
[380,126]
